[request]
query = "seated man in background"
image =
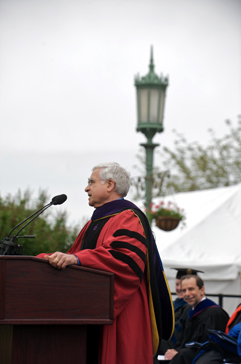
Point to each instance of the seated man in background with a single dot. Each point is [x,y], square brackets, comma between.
[181,309]
[204,314]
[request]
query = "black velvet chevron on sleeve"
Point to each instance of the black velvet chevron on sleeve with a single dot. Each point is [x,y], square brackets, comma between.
[129,261]
[124,245]
[130,234]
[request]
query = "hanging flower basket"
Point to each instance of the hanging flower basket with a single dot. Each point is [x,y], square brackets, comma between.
[167,223]
[167,215]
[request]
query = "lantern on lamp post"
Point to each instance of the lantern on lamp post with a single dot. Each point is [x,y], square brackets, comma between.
[151,91]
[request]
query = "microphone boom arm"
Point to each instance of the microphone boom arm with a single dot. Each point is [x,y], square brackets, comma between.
[35,213]
[34,217]
[8,245]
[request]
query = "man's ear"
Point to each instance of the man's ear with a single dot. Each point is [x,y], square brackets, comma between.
[110,185]
[202,291]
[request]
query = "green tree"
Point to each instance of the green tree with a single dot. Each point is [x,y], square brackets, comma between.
[190,166]
[50,228]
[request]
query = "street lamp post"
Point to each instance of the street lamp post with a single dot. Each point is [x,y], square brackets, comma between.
[151,91]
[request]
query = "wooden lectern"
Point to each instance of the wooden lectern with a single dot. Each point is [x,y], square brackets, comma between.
[44,312]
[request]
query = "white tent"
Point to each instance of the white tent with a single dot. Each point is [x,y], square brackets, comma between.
[211,240]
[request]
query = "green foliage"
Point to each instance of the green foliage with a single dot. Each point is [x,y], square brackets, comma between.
[191,166]
[50,228]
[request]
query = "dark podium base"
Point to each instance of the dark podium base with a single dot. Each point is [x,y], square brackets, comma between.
[45,312]
[38,344]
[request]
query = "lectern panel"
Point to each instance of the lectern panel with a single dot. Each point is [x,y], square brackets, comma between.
[31,291]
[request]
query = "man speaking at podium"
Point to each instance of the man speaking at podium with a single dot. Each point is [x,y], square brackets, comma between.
[118,239]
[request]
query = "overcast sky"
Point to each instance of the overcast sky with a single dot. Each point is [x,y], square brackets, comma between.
[67,95]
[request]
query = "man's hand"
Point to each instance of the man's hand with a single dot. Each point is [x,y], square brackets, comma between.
[60,260]
[170,353]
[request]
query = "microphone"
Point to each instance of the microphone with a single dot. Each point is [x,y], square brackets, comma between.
[58,200]
[8,245]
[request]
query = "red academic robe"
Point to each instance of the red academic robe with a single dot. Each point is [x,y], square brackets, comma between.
[129,339]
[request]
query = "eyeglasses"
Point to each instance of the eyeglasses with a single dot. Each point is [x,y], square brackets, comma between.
[91,181]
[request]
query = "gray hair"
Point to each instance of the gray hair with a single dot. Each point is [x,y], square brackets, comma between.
[119,175]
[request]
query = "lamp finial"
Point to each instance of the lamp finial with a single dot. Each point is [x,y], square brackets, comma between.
[151,66]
